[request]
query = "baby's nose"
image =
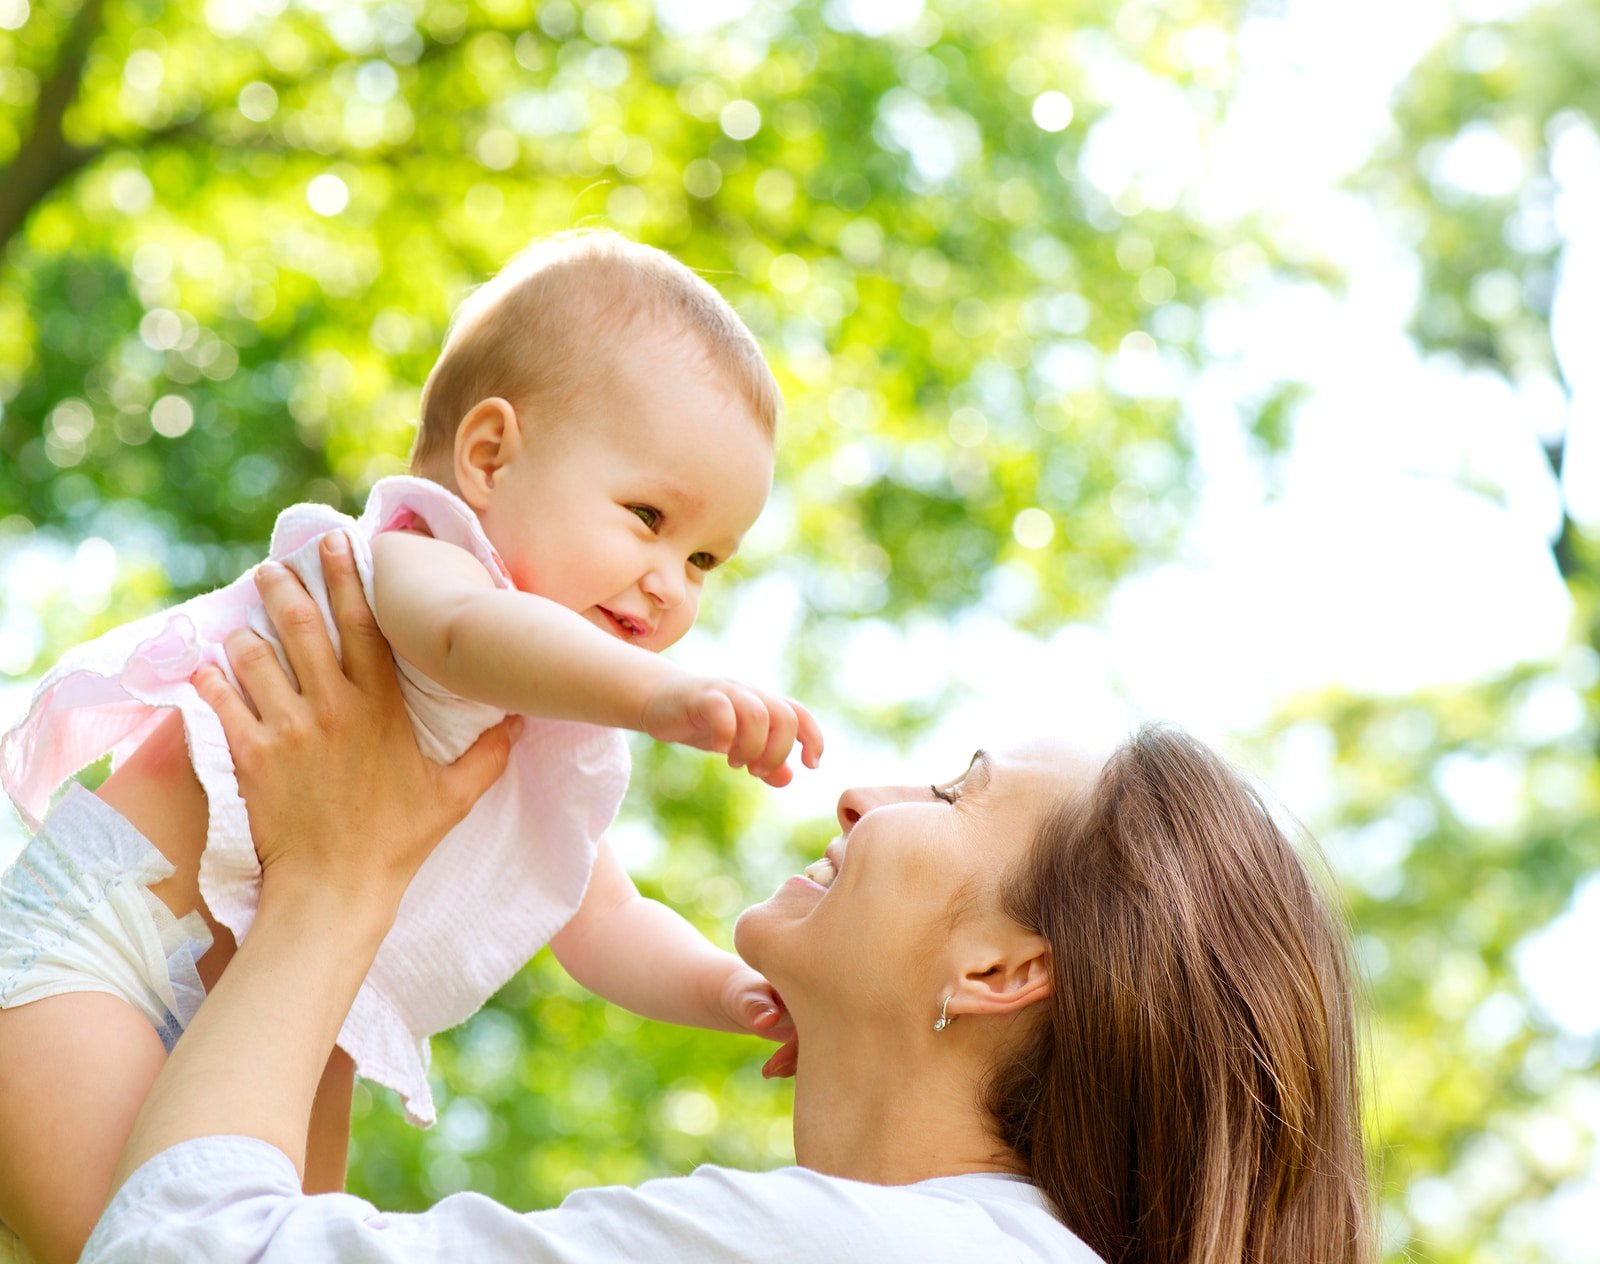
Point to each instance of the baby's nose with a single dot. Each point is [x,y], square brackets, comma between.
[664,586]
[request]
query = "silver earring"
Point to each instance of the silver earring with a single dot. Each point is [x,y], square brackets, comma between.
[944,1019]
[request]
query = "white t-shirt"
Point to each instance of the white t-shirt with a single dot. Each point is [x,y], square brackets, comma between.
[220,1199]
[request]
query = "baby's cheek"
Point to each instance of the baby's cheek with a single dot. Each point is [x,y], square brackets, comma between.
[678,622]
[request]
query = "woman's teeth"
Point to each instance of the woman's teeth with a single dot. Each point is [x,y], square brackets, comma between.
[822,872]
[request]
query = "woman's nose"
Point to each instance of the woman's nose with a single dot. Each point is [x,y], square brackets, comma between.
[858,801]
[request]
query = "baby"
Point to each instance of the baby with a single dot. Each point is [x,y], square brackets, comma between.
[596,438]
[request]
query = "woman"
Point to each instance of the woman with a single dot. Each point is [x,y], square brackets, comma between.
[1059,1008]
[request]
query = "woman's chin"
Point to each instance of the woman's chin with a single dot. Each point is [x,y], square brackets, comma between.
[749,930]
[754,930]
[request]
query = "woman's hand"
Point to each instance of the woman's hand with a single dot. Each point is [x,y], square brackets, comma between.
[337,791]
[343,809]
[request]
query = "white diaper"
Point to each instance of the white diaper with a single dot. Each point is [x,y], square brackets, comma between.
[77,915]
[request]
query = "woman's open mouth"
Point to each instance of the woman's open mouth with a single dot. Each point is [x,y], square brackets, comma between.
[822,872]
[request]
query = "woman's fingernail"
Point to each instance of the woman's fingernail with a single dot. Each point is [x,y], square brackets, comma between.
[337,543]
[270,570]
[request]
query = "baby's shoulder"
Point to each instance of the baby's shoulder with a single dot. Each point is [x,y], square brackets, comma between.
[418,509]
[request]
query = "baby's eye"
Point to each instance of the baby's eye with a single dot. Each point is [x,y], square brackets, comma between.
[947,793]
[702,561]
[648,514]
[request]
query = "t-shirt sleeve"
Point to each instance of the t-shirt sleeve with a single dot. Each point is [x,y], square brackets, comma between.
[236,1198]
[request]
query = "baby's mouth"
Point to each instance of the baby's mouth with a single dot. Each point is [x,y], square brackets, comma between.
[626,626]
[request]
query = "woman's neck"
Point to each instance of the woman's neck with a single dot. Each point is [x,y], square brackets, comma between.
[893,1116]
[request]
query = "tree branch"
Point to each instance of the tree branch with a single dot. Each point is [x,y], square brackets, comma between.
[1565,545]
[45,157]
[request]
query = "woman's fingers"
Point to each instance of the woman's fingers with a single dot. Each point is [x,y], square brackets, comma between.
[368,661]
[261,676]
[300,630]
[475,771]
[238,721]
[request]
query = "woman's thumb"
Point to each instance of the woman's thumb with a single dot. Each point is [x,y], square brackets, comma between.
[482,762]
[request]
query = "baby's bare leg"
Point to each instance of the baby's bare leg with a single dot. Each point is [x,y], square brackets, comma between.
[156,791]
[74,1070]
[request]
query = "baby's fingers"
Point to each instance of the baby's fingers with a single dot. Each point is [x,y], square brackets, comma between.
[759,1013]
[783,1062]
[751,739]
[809,733]
[771,764]
[716,719]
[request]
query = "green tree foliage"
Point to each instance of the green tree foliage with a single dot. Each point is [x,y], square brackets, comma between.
[1464,819]
[233,236]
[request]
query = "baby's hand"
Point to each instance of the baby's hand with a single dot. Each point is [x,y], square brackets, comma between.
[751,1004]
[753,728]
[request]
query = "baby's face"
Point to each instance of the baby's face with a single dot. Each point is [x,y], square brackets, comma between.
[621,507]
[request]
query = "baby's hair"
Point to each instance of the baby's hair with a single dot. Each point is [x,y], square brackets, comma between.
[530,334]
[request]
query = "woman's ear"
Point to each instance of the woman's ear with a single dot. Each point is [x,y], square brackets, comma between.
[486,440]
[1006,980]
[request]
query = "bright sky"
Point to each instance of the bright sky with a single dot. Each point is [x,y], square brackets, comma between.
[1376,569]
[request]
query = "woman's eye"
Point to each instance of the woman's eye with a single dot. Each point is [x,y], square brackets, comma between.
[702,561]
[650,516]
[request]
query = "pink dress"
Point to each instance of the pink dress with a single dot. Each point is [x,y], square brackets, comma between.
[493,892]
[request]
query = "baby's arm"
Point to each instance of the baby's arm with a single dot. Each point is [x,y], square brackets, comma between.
[639,954]
[441,611]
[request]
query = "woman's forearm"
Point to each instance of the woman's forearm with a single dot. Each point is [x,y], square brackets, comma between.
[328,1137]
[343,810]
[251,1062]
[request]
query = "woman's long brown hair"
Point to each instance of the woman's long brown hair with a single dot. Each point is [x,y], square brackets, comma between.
[1191,1096]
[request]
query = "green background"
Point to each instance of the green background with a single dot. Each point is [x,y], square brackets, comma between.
[186,345]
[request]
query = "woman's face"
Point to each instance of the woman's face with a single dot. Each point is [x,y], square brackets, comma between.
[911,885]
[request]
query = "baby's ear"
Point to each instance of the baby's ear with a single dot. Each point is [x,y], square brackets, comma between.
[485,441]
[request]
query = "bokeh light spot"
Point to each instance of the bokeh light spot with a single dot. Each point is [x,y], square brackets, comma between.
[258,101]
[1033,528]
[172,416]
[1052,111]
[968,427]
[740,120]
[702,178]
[327,194]
[789,274]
